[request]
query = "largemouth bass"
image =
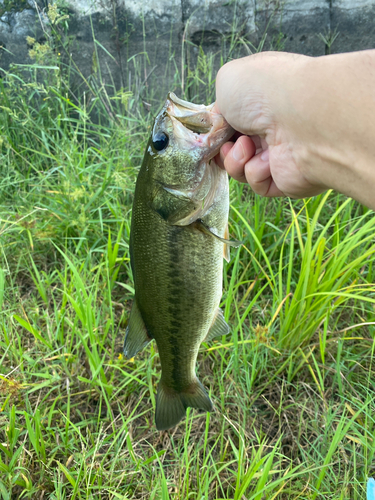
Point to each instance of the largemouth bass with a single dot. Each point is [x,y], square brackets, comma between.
[177,242]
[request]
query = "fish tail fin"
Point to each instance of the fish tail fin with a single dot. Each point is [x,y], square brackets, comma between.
[171,405]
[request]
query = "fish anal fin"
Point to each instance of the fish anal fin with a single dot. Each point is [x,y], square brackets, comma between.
[136,336]
[218,328]
[171,405]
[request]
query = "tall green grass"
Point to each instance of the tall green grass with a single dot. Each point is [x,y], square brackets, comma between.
[293,384]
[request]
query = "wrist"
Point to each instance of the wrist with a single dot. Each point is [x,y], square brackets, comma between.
[333,125]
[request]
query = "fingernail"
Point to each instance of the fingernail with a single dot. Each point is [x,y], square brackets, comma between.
[265,156]
[238,152]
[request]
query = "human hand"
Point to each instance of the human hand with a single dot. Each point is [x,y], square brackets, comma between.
[305,124]
[258,95]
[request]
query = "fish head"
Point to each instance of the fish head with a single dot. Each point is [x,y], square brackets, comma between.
[185,137]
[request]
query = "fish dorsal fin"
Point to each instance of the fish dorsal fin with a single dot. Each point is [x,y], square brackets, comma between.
[136,336]
[218,328]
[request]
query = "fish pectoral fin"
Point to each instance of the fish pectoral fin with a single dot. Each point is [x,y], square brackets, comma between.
[173,205]
[180,206]
[136,335]
[171,405]
[201,226]
[218,327]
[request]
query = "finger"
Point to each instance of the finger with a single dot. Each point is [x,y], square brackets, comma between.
[258,142]
[258,175]
[224,150]
[236,157]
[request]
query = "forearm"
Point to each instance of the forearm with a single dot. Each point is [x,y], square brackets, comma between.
[336,143]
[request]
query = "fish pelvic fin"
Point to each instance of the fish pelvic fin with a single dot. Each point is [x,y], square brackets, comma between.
[201,226]
[136,336]
[226,254]
[218,327]
[171,405]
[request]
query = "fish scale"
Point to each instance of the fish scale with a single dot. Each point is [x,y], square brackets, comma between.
[179,222]
[175,292]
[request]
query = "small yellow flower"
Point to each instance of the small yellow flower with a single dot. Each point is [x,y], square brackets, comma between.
[59,54]
[120,356]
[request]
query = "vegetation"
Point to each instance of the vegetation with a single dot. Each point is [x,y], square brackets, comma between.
[293,384]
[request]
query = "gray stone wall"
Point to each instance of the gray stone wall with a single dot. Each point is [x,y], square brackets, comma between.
[131,40]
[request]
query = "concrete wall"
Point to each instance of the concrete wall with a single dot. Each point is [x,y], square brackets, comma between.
[128,29]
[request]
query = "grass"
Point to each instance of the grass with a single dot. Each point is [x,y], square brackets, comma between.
[293,384]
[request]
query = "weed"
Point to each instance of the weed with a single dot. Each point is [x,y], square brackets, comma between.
[292,384]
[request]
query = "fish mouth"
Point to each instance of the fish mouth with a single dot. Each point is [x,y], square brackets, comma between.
[196,126]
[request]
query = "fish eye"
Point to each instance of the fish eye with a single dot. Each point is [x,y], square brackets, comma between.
[160,141]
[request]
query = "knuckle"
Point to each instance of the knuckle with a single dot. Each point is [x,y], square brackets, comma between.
[260,188]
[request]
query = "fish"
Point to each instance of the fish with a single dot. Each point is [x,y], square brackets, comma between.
[178,238]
